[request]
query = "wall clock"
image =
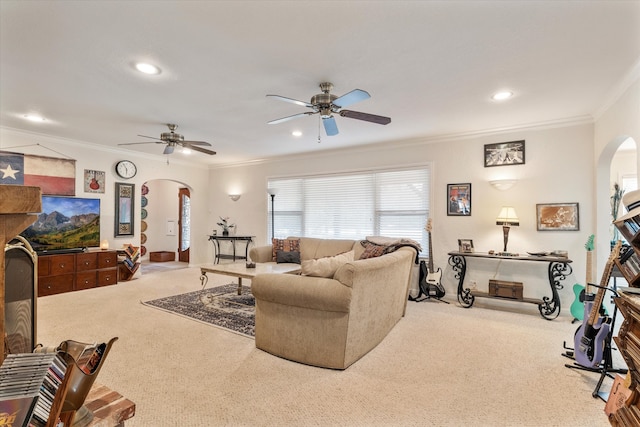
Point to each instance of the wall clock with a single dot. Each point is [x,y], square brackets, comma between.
[126,169]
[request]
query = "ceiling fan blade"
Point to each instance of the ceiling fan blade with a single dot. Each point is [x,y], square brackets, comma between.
[293,101]
[197,143]
[136,143]
[168,149]
[352,97]
[381,120]
[202,150]
[330,126]
[284,119]
[151,137]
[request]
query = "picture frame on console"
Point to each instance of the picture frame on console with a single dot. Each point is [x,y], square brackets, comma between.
[504,154]
[125,198]
[459,199]
[465,245]
[558,216]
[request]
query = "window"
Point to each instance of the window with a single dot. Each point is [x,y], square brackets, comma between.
[391,203]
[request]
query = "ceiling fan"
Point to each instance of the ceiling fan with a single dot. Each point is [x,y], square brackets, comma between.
[171,139]
[326,104]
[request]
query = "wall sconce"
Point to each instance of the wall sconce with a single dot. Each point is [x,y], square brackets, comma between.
[503,184]
[235,197]
[104,245]
[506,218]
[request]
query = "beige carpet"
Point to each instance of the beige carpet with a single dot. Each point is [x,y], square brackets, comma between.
[442,365]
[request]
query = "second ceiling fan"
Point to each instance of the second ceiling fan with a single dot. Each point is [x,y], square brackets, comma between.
[326,104]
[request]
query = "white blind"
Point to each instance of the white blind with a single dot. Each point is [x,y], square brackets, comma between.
[392,203]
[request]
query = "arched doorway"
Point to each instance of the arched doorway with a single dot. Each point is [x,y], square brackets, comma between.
[166,224]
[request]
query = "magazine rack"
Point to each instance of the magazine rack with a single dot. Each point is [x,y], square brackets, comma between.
[79,383]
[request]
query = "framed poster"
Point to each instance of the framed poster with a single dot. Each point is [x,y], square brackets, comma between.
[93,181]
[125,198]
[504,154]
[557,217]
[459,199]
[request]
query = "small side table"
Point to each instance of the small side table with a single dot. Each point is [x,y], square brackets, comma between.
[215,239]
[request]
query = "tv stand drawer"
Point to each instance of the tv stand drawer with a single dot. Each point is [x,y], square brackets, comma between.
[55,284]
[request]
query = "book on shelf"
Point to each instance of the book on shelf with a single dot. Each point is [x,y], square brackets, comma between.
[28,386]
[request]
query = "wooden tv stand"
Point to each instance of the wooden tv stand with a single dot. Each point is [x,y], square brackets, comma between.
[59,273]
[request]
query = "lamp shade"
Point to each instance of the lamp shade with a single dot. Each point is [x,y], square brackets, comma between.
[507,216]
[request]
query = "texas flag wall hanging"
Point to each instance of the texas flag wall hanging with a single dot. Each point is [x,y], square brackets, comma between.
[54,176]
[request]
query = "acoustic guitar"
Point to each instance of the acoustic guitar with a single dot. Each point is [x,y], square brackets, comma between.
[577,306]
[590,338]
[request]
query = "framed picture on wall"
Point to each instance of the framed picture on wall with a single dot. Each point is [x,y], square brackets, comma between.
[558,217]
[459,199]
[504,154]
[124,219]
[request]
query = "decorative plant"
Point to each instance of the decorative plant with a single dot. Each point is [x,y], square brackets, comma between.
[224,223]
[616,197]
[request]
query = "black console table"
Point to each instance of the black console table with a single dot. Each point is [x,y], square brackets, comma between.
[558,269]
[215,239]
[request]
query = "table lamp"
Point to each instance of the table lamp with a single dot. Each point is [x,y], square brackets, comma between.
[506,218]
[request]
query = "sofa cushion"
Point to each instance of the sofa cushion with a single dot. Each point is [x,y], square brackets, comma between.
[285,245]
[314,248]
[327,266]
[371,250]
[288,257]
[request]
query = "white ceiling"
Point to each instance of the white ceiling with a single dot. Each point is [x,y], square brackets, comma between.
[431,66]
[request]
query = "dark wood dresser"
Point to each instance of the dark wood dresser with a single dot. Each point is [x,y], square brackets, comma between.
[60,273]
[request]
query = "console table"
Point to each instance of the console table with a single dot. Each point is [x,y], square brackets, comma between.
[558,269]
[217,255]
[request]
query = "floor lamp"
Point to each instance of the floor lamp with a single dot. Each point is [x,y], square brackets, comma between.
[272,192]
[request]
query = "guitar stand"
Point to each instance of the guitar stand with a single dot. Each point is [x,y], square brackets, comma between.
[605,369]
[426,297]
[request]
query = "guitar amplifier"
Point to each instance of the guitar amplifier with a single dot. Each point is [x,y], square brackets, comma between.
[505,289]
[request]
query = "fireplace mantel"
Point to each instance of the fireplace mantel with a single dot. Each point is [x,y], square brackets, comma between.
[18,208]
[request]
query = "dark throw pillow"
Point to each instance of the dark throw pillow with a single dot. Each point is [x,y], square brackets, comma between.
[290,257]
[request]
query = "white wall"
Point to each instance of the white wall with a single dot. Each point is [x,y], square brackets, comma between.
[96,157]
[558,168]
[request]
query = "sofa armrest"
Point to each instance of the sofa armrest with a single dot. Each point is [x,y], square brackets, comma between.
[316,293]
[261,254]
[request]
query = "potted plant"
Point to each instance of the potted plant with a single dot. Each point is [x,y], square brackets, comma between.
[224,223]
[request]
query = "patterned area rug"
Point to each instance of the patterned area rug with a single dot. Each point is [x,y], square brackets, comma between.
[220,306]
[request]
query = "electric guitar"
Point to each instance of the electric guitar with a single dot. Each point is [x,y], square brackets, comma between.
[430,284]
[577,306]
[590,337]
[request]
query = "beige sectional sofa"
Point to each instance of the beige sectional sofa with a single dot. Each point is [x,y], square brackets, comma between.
[331,321]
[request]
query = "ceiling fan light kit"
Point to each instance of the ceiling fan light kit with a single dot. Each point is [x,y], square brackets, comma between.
[325,104]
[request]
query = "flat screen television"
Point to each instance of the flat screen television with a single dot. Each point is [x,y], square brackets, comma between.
[65,224]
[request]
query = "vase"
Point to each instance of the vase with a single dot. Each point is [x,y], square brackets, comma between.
[225,232]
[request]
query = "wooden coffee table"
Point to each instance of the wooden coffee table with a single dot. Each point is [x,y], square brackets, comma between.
[241,271]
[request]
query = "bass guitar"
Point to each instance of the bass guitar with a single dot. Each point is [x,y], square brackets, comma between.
[430,280]
[577,306]
[590,338]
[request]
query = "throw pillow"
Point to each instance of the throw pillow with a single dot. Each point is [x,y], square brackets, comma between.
[285,245]
[291,257]
[371,250]
[325,267]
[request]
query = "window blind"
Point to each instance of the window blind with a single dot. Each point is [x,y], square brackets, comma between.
[391,203]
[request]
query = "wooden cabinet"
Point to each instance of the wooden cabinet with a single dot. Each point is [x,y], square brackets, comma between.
[60,273]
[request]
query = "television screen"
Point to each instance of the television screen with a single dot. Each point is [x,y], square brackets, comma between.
[65,223]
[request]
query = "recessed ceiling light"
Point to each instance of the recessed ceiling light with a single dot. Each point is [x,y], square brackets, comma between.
[296,133]
[501,96]
[34,118]
[147,68]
